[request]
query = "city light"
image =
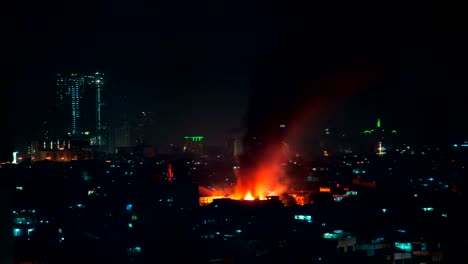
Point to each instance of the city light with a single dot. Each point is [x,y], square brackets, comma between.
[15,160]
[195,138]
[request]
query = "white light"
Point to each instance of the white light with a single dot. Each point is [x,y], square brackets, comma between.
[15,160]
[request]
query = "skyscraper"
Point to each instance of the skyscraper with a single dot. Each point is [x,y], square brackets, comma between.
[123,134]
[145,128]
[77,110]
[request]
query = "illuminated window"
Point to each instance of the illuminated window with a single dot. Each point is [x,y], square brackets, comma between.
[17,232]
[306,218]
[404,246]
[330,236]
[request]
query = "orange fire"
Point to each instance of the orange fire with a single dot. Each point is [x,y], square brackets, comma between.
[249,196]
[266,179]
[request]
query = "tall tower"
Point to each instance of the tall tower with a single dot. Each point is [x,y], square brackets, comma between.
[94,84]
[77,110]
[145,128]
[381,139]
[68,107]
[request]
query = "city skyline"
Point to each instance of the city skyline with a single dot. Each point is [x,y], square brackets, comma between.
[233,132]
[198,77]
[120,103]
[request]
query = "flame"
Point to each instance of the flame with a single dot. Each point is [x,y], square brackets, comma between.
[249,196]
[267,175]
[264,179]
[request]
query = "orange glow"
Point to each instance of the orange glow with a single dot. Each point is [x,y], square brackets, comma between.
[249,196]
[324,189]
[265,178]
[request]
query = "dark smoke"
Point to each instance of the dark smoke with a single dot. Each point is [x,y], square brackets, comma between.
[316,60]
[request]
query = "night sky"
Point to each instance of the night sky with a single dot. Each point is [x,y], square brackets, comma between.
[197,63]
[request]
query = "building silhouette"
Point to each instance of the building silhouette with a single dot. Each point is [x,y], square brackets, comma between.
[145,128]
[379,139]
[77,109]
[194,144]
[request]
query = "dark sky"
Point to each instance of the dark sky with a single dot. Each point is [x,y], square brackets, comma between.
[196,63]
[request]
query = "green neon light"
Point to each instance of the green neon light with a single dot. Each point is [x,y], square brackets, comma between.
[367,131]
[194,138]
[394,131]
[378,122]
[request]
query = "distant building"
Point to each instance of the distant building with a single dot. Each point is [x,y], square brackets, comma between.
[122,134]
[77,109]
[63,151]
[137,130]
[238,148]
[145,128]
[379,139]
[335,141]
[194,144]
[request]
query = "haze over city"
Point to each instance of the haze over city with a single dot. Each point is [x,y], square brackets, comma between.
[233,132]
[170,57]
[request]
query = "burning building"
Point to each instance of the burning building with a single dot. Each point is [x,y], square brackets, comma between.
[293,85]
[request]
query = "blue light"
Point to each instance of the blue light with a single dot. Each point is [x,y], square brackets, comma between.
[455,145]
[128,207]
[306,218]
[464,145]
[404,246]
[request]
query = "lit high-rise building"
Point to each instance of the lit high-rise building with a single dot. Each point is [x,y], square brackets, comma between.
[77,110]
